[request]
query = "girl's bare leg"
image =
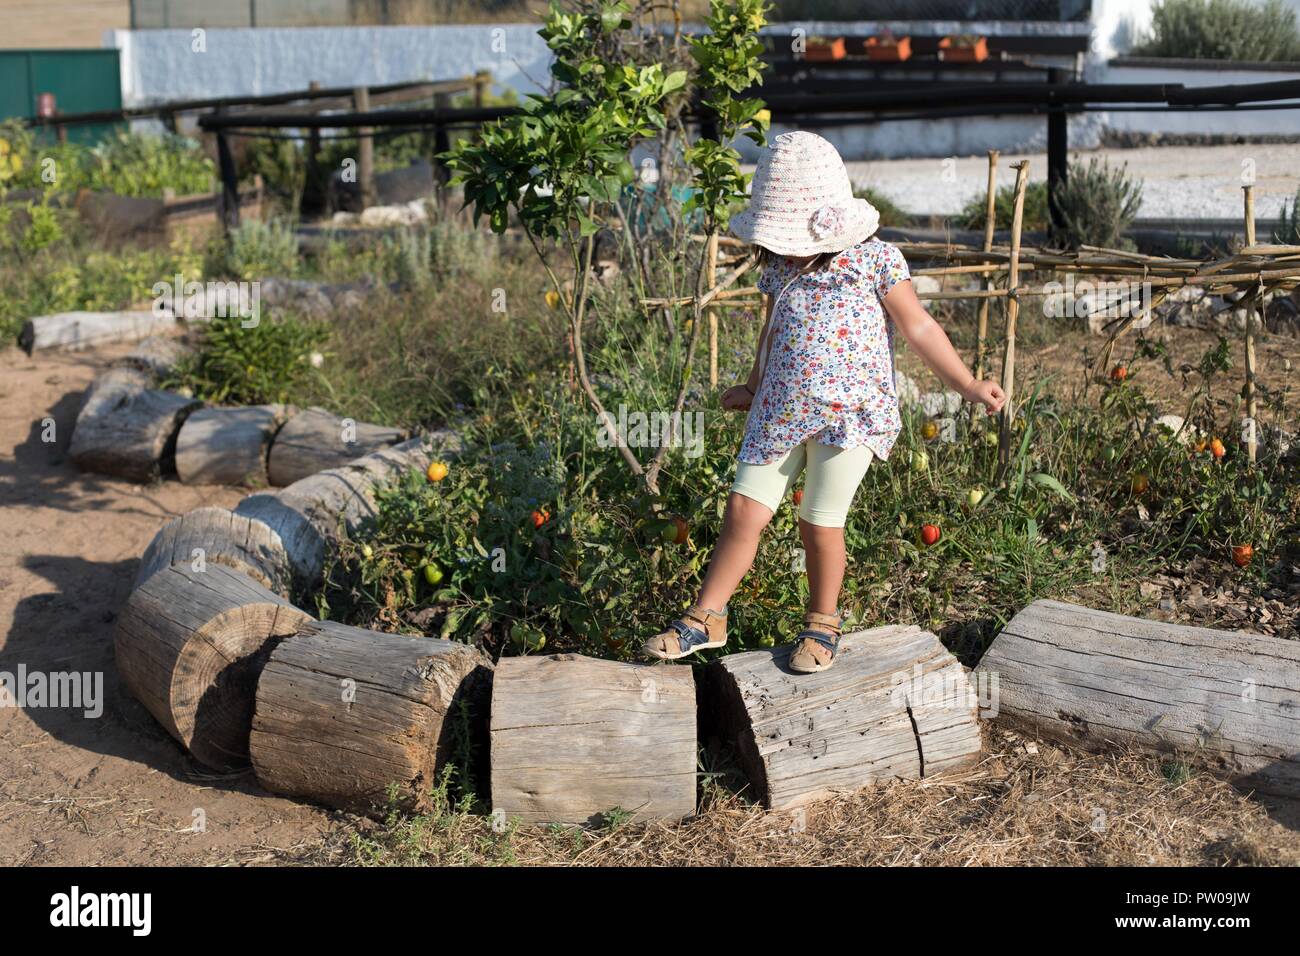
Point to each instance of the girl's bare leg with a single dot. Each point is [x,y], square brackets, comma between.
[733,555]
[826,561]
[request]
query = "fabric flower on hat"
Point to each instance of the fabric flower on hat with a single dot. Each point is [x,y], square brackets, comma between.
[827,221]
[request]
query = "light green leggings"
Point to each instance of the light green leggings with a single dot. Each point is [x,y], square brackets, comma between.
[832,480]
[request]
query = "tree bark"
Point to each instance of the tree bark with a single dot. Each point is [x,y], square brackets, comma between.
[895,705]
[228,446]
[573,737]
[1227,700]
[345,714]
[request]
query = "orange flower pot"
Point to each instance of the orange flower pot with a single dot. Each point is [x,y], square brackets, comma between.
[887,50]
[951,52]
[821,52]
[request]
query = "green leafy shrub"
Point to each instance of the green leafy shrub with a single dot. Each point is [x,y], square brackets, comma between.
[1034,216]
[1288,231]
[269,361]
[1097,205]
[1222,30]
[891,214]
[257,250]
[130,164]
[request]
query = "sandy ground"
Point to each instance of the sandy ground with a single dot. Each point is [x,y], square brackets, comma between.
[1181,182]
[114,789]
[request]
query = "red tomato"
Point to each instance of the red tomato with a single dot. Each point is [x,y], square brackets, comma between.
[1241,554]
[929,534]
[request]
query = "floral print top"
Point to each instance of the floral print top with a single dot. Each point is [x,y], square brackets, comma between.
[829,369]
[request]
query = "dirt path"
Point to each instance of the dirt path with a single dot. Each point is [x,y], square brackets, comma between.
[113,789]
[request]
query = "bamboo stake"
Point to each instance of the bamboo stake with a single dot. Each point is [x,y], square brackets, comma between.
[990,222]
[1013,312]
[711,281]
[1251,405]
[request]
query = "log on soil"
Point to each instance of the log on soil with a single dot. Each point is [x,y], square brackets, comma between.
[312,515]
[314,440]
[157,355]
[190,646]
[1227,700]
[895,705]
[126,429]
[228,446]
[215,535]
[80,330]
[573,737]
[344,714]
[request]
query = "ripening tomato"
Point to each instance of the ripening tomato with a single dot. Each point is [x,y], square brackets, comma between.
[1217,449]
[1119,373]
[798,497]
[1241,554]
[436,471]
[540,517]
[929,431]
[1139,484]
[682,529]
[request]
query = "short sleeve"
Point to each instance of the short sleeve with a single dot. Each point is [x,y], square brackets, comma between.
[891,270]
[768,281]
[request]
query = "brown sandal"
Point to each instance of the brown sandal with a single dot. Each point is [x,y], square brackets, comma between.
[698,629]
[818,643]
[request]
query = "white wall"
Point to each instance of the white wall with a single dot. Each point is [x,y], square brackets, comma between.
[1202,122]
[163,64]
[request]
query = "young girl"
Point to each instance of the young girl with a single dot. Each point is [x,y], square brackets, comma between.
[821,394]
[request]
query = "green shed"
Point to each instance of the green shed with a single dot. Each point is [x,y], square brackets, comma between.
[82,81]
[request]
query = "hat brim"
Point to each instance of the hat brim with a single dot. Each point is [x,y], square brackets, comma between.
[861,223]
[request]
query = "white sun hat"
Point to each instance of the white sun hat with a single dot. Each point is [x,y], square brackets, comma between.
[801,201]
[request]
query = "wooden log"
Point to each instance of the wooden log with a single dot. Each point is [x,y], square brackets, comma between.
[315,440]
[157,355]
[126,429]
[1227,700]
[215,535]
[228,446]
[573,737]
[190,646]
[895,705]
[343,714]
[313,514]
[81,330]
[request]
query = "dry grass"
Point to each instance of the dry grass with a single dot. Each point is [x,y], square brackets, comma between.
[1025,804]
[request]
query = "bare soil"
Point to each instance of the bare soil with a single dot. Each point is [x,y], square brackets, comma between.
[112,790]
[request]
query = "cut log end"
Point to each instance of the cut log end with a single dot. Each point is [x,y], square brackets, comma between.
[222,537]
[190,646]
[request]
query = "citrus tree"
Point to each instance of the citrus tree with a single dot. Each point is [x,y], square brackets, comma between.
[561,166]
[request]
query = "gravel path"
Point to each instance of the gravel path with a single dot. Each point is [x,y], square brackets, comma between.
[1182,182]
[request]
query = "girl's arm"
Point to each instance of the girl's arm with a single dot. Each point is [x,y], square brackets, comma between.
[925,335]
[740,397]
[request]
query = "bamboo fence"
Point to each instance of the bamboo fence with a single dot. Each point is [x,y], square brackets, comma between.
[1253,271]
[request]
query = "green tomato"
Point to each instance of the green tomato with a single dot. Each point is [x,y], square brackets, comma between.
[920,461]
[974,497]
[432,574]
[367,552]
[626,174]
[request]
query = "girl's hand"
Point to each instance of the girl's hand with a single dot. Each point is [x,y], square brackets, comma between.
[737,398]
[986,393]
